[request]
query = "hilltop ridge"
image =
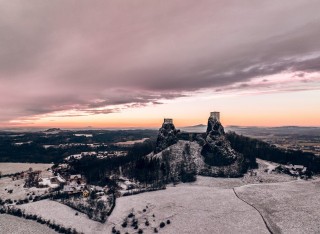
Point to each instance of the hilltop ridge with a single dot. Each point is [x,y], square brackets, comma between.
[180,156]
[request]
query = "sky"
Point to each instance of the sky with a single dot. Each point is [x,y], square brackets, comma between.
[122,63]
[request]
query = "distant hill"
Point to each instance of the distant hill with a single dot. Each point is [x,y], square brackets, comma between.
[53,130]
[195,128]
[282,130]
[257,131]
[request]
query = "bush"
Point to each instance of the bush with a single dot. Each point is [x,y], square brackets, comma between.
[124,224]
[140,231]
[162,224]
[155,230]
[147,223]
[168,221]
[134,223]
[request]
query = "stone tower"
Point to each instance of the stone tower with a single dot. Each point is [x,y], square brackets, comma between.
[167,135]
[168,121]
[215,115]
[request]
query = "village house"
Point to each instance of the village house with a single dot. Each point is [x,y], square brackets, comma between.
[51,182]
[75,184]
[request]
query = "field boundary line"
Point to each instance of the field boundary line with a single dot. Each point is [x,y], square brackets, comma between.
[265,222]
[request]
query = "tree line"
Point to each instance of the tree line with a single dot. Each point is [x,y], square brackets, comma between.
[256,148]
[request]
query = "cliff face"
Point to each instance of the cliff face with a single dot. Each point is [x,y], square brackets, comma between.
[217,150]
[180,157]
[167,136]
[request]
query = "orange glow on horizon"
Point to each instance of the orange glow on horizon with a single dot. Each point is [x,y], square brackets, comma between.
[156,123]
[279,109]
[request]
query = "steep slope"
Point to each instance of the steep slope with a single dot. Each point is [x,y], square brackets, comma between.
[217,150]
[183,160]
[167,136]
[176,160]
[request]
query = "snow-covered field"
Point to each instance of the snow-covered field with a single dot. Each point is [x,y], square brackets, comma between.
[190,209]
[10,168]
[14,225]
[207,206]
[18,191]
[130,142]
[291,207]
[61,214]
[264,174]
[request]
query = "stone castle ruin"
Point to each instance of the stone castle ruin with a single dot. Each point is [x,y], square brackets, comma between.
[168,121]
[215,115]
[167,135]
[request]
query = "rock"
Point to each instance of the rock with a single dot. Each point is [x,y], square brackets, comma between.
[167,136]
[217,150]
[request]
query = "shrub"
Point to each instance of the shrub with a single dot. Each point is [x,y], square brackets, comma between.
[147,223]
[162,224]
[124,224]
[155,230]
[168,221]
[134,223]
[140,231]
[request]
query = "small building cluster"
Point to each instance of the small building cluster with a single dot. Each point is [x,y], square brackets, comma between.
[293,170]
[51,182]
[75,184]
[99,154]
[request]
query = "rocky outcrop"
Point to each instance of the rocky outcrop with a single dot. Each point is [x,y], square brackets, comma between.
[217,150]
[167,136]
[182,156]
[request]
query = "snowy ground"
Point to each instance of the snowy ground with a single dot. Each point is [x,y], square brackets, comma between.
[61,214]
[208,205]
[14,225]
[264,174]
[10,168]
[190,209]
[291,207]
[18,191]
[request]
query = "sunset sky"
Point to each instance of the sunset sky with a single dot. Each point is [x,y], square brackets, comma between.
[123,63]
